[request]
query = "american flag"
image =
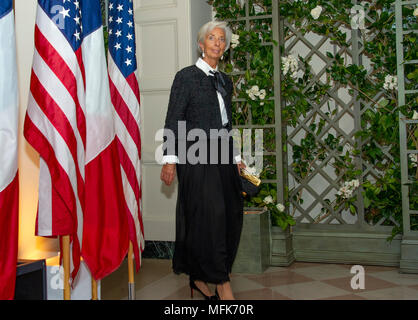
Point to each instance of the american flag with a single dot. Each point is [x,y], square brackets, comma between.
[69,121]
[124,90]
[55,123]
[9,180]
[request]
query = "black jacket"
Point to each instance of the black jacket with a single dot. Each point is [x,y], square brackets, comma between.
[193,99]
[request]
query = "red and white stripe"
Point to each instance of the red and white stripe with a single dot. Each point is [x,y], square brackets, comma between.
[55,125]
[126,103]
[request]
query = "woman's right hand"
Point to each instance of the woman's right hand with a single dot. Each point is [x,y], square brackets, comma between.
[168,172]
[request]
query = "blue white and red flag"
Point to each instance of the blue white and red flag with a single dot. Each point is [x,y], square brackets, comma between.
[122,65]
[9,180]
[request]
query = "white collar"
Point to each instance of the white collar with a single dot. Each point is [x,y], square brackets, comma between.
[205,67]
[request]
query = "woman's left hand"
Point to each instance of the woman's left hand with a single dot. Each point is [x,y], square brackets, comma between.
[241,165]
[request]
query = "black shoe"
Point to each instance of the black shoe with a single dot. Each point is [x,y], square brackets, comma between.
[193,286]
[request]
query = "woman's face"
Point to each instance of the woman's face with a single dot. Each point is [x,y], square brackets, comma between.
[214,44]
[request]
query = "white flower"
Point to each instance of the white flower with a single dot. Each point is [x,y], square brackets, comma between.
[352,184]
[415,116]
[250,94]
[414,159]
[268,200]
[240,82]
[290,63]
[234,40]
[258,8]
[391,82]
[316,12]
[235,37]
[280,207]
[416,12]
[253,92]
[239,110]
[346,191]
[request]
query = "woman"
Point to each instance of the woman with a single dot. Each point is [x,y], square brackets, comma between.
[209,202]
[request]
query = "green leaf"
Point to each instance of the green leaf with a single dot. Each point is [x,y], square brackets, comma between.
[366,201]
[383,103]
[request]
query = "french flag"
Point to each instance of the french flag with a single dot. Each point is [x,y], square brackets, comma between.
[9,181]
[105,224]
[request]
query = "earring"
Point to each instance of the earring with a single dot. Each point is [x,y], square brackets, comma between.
[203,54]
[222,57]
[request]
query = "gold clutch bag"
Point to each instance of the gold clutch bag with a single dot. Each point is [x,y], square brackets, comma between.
[250,183]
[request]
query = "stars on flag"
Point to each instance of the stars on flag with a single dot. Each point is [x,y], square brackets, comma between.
[65,13]
[122,34]
[77,20]
[67,16]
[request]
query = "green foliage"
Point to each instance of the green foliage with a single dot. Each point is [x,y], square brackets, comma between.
[377,142]
[104,22]
[280,218]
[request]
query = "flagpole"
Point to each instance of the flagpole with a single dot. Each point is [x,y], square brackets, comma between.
[66,264]
[94,294]
[131,282]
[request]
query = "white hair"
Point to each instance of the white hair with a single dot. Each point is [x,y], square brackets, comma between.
[208,27]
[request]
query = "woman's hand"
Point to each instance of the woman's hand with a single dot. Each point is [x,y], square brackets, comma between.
[168,172]
[241,165]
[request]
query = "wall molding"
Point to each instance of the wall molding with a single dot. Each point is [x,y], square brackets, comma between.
[155,5]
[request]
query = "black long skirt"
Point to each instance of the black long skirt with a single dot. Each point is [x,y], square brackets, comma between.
[209,216]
